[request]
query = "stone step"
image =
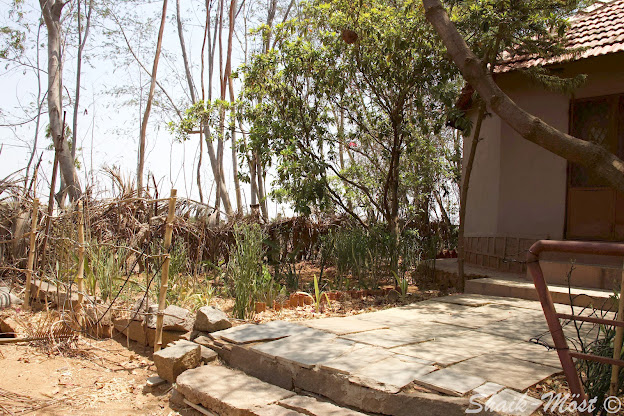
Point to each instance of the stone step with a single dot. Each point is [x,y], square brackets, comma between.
[377,394]
[516,287]
[227,392]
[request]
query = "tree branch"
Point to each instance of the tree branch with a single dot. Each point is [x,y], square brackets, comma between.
[595,158]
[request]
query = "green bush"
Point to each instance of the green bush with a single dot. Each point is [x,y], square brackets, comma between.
[244,269]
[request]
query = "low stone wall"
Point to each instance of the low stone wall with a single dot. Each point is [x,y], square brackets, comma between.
[499,253]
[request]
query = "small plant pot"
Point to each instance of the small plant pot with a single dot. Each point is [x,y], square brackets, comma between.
[286,304]
[307,300]
[277,306]
[260,307]
[294,300]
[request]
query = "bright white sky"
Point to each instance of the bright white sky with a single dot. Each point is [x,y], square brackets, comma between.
[109,124]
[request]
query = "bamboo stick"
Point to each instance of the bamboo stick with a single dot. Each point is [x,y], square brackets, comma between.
[31,251]
[617,344]
[81,253]
[164,279]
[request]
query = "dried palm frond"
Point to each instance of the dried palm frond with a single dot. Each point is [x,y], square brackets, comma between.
[16,404]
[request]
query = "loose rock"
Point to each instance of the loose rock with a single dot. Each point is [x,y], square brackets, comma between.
[177,358]
[211,319]
[175,318]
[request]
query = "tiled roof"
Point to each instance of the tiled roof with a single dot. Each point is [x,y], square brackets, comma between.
[597,30]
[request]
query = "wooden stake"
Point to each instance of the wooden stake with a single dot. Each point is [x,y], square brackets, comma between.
[164,279]
[31,250]
[81,252]
[617,343]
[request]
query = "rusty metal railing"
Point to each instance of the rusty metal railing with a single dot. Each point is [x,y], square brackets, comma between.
[553,317]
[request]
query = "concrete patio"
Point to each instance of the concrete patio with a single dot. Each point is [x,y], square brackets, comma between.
[425,358]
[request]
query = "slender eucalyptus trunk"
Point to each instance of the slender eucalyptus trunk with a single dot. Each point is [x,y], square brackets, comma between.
[51,11]
[463,198]
[148,105]
[38,120]
[82,41]
[228,79]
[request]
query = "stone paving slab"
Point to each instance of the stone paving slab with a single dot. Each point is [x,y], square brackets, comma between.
[306,350]
[479,317]
[274,410]
[506,370]
[313,407]
[269,331]
[535,353]
[450,381]
[343,326]
[405,335]
[355,358]
[514,403]
[466,300]
[413,314]
[522,328]
[429,351]
[488,389]
[459,347]
[226,391]
[392,374]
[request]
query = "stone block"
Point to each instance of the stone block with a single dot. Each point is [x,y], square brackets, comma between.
[313,407]
[132,329]
[174,319]
[177,358]
[207,355]
[211,319]
[228,392]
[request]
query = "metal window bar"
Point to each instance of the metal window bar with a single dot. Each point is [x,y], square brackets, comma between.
[553,317]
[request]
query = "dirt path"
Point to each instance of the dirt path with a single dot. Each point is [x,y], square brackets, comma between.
[97,378]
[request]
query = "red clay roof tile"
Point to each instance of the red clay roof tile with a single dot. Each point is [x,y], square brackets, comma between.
[596,31]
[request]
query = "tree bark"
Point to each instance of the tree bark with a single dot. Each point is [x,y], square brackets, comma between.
[148,105]
[463,199]
[51,11]
[187,67]
[228,73]
[592,156]
[82,41]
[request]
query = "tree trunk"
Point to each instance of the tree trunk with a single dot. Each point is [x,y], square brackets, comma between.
[148,105]
[592,156]
[52,16]
[261,192]
[187,68]
[82,41]
[463,199]
[38,122]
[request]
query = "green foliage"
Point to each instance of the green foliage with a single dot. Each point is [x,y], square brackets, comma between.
[318,295]
[104,267]
[369,255]
[266,288]
[245,268]
[312,95]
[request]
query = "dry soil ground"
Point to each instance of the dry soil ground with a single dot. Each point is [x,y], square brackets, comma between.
[94,378]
